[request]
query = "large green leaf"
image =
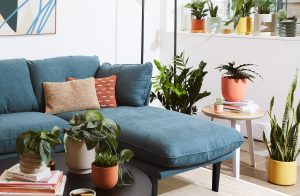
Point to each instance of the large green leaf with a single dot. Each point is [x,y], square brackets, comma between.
[93,115]
[45,151]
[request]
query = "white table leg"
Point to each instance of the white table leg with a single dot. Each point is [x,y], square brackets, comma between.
[250,139]
[236,157]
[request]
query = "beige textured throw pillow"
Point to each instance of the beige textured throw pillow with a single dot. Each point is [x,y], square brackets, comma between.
[70,96]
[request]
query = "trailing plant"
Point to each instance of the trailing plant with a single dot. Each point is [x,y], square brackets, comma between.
[284,139]
[178,87]
[241,8]
[197,8]
[238,72]
[38,143]
[282,17]
[213,10]
[218,101]
[92,127]
[264,6]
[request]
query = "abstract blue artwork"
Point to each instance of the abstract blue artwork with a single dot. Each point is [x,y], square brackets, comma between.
[27,17]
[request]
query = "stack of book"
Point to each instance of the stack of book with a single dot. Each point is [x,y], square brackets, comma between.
[45,183]
[245,106]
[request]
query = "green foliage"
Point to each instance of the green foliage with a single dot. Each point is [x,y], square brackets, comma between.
[179,89]
[218,101]
[106,160]
[92,127]
[264,6]
[241,8]
[197,8]
[282,17]
[238,72]
[40,142]
[213,10]
[284,139]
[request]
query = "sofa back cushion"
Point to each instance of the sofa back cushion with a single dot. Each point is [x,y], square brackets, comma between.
[58,69]
[133,82]
[16,93]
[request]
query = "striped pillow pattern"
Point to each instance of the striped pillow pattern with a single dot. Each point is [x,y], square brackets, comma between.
[106,91]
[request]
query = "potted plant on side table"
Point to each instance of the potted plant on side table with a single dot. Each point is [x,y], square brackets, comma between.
[218,106]
[34,149]
[287,25]
[198,10]
[86,131]
[234,80]
[264,19]
[213,22]
[283,142]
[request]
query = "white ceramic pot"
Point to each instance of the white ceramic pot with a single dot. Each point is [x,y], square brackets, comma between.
[77,157]
[214,25]
[265,24]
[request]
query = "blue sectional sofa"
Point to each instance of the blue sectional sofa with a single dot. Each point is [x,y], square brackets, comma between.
[165,143]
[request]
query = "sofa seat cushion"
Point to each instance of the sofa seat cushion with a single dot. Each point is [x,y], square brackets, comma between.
[169,138]
[58,70]
[11,125]
[16,92]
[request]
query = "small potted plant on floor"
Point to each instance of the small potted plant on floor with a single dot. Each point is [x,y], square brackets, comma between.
[234,80]
[218,106]
[264,19]
[34,149]
[198,10]
[283,142]
[287,25]
[86,131]
[241,17]
[213,22]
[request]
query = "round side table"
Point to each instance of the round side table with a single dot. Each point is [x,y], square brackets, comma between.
[233,117]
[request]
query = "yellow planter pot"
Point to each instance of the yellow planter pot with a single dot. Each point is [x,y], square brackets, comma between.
[282,173]
[244,26]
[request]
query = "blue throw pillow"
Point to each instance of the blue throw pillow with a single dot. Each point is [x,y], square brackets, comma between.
[133,82]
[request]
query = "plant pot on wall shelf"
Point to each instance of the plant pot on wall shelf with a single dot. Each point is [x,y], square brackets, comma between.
[214,25]
[198,26]
[244,26]
[265,24]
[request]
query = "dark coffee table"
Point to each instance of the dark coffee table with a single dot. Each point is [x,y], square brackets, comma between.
[141,187]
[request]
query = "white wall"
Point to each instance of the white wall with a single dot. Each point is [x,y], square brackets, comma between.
[107,28]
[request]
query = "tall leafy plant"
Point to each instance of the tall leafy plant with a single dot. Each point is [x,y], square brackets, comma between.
[284,138]
[213,10]
[38,143]
[179,88]
[241,8]
[197,8]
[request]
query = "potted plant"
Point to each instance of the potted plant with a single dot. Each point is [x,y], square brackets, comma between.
[34,149]
[241,17]
[107,169]
[86,131]
[264,20]
[234,80]
[282,145]
[287,25]
[198,10]
[177,87]
[218,106]
[213,22]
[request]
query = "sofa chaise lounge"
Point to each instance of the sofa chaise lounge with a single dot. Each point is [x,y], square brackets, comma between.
[165,143]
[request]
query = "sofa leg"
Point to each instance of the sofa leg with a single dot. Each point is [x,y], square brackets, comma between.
[216,176]
[154,182]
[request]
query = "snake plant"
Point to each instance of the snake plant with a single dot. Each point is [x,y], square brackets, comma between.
[284,139]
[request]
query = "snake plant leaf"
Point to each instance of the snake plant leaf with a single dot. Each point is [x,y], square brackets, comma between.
[265,140]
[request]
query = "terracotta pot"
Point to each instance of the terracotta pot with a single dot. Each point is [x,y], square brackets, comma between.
[198,26]
[77,157]
[218,108]
[282,173]
[244,26]
[105,177]
[234,89]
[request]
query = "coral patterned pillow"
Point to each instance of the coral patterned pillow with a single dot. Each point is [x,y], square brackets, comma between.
[105,89]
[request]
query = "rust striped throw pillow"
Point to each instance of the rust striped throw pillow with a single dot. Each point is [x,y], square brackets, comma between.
[106,91]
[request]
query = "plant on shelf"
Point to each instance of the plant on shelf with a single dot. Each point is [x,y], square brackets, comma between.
[86,131]
[34,149]
[264,20]
[234,80]
[213,22]
[287,25]
[218,106]
[178,87]
[241,16]
[282,145]
[199,11]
